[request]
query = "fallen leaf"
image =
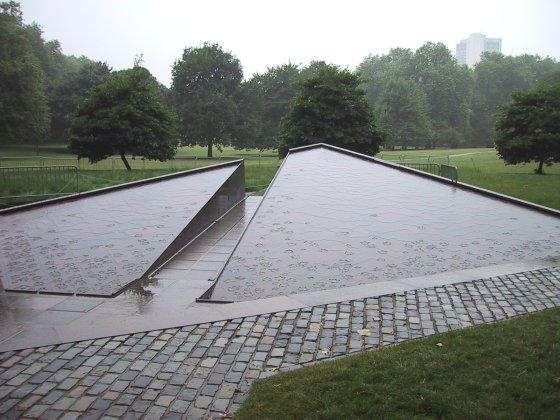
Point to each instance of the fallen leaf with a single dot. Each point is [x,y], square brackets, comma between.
[326,351]
[439,344]
[274,369]
[365,331]
[225,415]
[315,327]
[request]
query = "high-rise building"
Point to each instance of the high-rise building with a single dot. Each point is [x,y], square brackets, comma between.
[469,50]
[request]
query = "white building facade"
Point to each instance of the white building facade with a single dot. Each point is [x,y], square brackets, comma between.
[470,50]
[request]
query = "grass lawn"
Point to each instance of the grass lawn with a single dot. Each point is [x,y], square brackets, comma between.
[60,150]
[260,167]
[480,167]
[483,168]
[507,370]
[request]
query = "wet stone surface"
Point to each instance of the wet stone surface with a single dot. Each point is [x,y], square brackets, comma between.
[332,220]
[97,245]
[206,370]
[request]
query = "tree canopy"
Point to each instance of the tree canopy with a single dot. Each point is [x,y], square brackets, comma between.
[496,77]
[403,113]
[75,79]
[24,113]
[205,83]
[443,103]
[433,73]
[528,128]
[275,90]
[122,116]
[331,108]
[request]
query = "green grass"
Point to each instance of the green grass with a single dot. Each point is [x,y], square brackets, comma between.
[260,167]
[507,370]
[483,168]
[480,167]
[61,150]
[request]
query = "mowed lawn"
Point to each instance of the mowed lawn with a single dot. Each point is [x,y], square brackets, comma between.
[508,370]
[260,167]
[480,167]
[483,168]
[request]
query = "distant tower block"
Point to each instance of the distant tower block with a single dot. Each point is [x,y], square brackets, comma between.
[470,50]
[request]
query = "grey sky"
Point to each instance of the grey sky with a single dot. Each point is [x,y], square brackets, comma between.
[263,34]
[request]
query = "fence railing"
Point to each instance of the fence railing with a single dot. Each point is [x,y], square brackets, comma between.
[31,178]
[38,181]
[115,162]
[446,171]
[449,172]
[432,168]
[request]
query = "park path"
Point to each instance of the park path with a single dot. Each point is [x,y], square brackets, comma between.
[467,154]
[205,370]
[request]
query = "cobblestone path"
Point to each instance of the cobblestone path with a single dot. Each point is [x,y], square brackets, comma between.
[205,370]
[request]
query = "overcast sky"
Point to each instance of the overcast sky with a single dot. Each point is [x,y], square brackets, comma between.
[263,34]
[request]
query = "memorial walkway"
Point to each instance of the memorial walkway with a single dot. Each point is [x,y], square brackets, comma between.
[206,369]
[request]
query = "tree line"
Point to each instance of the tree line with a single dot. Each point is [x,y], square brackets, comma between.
[419,98]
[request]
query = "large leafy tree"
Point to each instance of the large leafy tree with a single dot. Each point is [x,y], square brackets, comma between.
[24,116]
[496,77]
[331,108]
[528,129]
[265,99]
[206,82]
[279,87]
[379,70]
[404,115]
[123,116]
[448,86]
[74,81]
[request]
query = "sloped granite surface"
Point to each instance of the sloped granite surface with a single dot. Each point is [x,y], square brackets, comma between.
[332,220]
[98,244]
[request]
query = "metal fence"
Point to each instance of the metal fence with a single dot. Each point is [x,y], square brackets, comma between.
[38,181]
[116,163]
[30,178]
[449,172]
[432,168]
[446,171]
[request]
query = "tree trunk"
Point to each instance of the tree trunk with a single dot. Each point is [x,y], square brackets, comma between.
[123,157]
[539,169]
[209,149]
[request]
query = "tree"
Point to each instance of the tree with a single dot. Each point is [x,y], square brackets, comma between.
[24,116]
[279,88]
[75,79]
[404,115]
[378,70]
[448,86]
[265,100]
[205,83]
[496,77]
[528,129]
[249,127]
[331,108]
[123,115]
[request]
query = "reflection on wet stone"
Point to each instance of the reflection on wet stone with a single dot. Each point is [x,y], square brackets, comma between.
[96,245]
[332,220]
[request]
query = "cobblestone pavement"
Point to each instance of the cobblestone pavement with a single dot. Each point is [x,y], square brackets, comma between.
[205,370]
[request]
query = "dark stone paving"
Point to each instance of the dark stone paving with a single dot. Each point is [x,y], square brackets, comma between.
[205,370]
[98,243]
[332,220]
